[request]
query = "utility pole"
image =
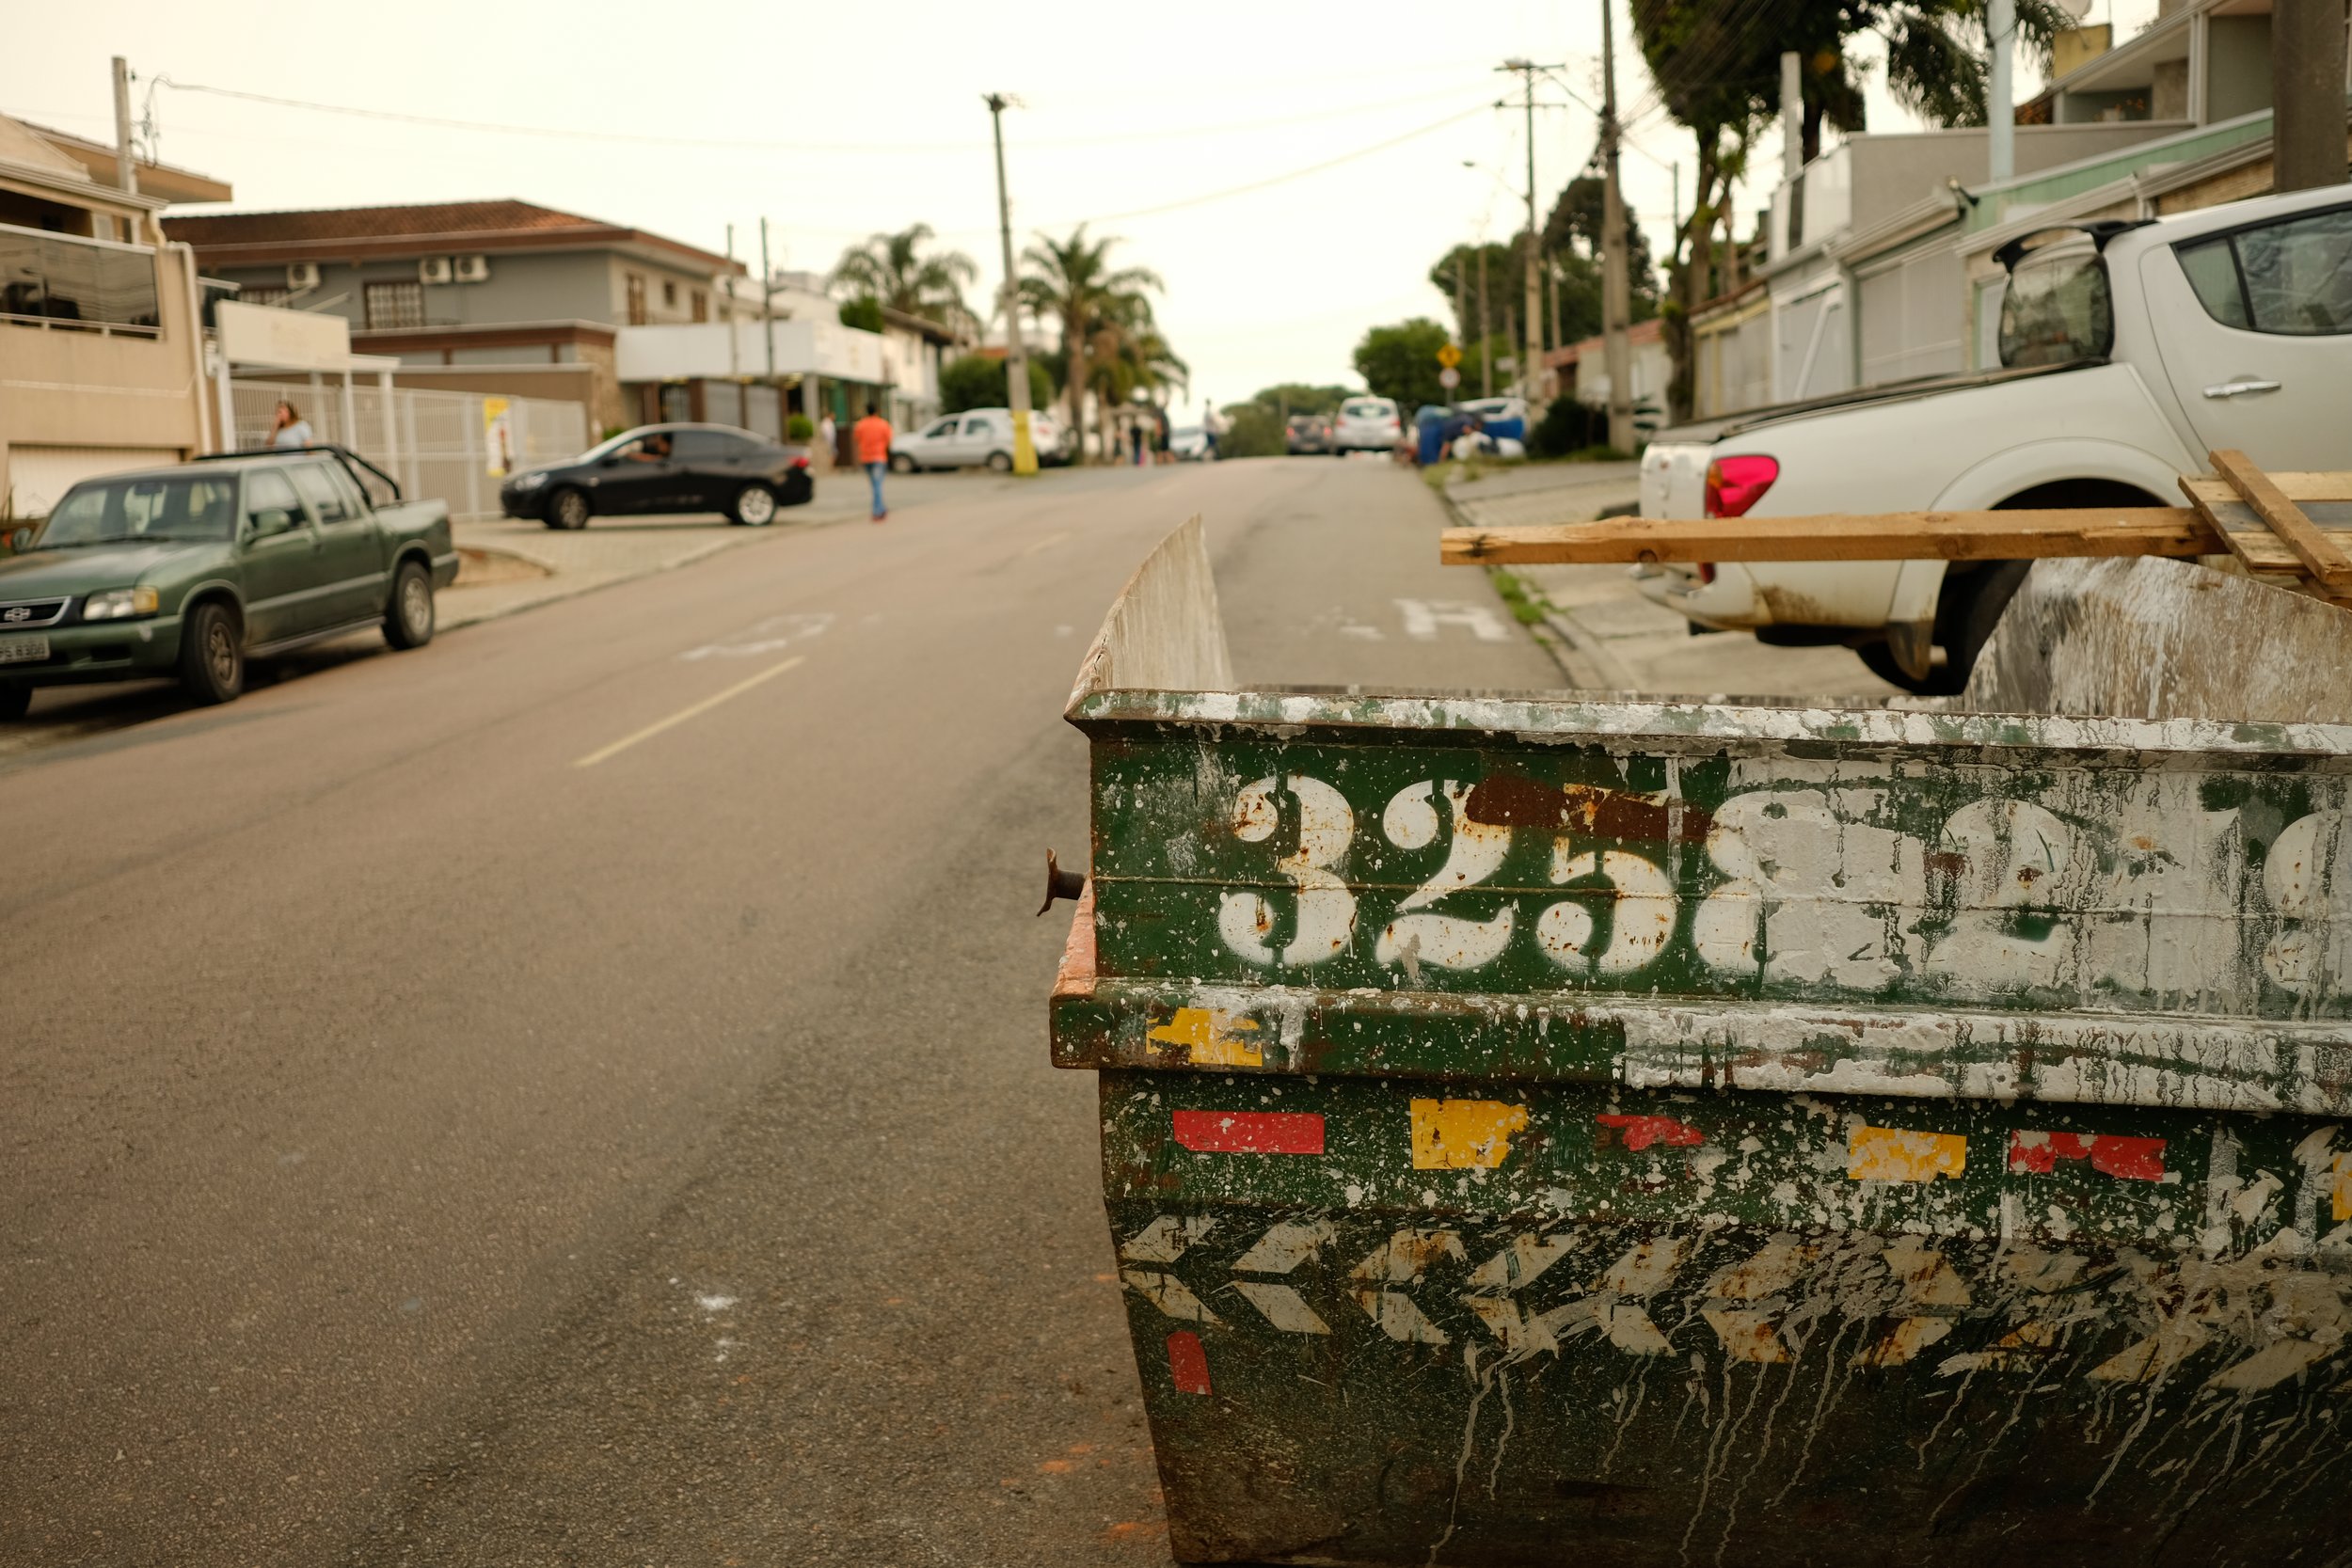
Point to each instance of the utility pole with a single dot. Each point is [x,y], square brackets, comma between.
[2000,110]
[767,305]
[1016,355]
[126,167]
[1461,307]
[734,351]
[1532,354]
[1485,363]
[1616,299]
[2307,83]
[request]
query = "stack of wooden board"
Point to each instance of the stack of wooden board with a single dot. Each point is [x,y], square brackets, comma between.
[2286,528]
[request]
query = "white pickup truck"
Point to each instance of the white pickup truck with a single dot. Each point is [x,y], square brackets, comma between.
[2128,351]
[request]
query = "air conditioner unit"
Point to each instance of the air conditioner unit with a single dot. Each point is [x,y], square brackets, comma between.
[302,274]
[433,269]
[473,269]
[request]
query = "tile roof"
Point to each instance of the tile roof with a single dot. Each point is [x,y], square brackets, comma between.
[378,223]
[241,238]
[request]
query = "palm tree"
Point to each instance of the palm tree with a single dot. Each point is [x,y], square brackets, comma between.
[1073,281]
[898,270]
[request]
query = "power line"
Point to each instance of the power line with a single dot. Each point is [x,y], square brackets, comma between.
[708,143]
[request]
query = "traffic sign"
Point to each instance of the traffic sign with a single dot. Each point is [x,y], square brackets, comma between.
[1449,357]
[1449,378]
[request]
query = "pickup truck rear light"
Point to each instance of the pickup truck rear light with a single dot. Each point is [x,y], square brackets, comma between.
[800,462]
[1735,483]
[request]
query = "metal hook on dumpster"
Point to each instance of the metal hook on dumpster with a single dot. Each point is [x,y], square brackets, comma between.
[1060,883]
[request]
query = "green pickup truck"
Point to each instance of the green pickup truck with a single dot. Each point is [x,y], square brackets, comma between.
[191,570]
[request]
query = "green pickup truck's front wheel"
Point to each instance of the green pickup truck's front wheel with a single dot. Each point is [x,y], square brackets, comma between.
[408,619]
[211,654]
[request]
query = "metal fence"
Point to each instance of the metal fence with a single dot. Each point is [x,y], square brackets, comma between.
[440,445]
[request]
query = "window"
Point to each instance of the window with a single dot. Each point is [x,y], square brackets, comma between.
[2056,310]
[330,501]
[394,304]
[144,509]
[669,295]
[65,281]
[707,446]
[978,424]
[702,306]
[261,294]
[943,428]
[270,506]
[635,284]
[2294,278]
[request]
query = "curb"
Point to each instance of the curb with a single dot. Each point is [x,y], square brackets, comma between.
[1583,661]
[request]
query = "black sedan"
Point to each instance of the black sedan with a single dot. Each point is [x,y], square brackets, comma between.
[667,468]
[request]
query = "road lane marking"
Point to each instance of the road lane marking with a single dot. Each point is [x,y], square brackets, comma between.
[1046,543]
[690,711]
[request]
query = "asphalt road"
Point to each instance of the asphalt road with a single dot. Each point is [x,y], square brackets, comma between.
[578,1093]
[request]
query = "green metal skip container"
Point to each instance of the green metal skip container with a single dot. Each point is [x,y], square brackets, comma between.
[1539,1131]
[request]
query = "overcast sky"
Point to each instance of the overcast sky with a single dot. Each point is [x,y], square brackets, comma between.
[832,121]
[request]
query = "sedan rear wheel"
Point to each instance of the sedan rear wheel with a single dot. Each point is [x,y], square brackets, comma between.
[754,506]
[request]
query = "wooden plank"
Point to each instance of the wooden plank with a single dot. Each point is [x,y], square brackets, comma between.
[2303,488]
[1888,536]
[2322,556]
[2242,531]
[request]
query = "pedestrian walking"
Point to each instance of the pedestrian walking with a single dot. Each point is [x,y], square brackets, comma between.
[1138,441]
[1160,434]
[828,438]
[871,436]
[1213,425]
[289,428]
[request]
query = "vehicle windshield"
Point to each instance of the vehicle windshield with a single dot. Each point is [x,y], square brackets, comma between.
[2056,310]
[610,445]
[198,507]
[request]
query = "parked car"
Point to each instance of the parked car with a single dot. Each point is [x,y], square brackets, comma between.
[1366,424]
[667,468]
[1307,435]
[2128,350]
[1189,443]
[975,437]
[193,569]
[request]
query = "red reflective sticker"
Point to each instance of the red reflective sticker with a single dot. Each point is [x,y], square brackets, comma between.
[1187,1363]
[2130,1159]
[1639,1132]
[1251,1131]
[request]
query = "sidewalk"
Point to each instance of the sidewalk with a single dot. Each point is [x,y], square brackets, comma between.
[513,564]
[1606,635]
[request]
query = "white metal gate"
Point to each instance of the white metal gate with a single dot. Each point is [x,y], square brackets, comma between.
[439,445]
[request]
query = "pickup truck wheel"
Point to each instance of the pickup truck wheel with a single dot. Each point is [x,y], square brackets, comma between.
[901,463]
[1001,462]
[567,509]
[1879,659]
[408,620]
[212,655]
[754,506]
[14,700]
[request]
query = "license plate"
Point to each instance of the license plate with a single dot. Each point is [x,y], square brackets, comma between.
[23,650]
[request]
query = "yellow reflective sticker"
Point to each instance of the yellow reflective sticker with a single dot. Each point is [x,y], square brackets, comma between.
[1464,1135]
[1888,1154]
[2344,1187]
[1209,1038]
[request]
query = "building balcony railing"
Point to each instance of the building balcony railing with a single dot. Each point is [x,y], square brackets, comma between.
[66,282]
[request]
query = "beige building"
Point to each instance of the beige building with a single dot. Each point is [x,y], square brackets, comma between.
[102,351]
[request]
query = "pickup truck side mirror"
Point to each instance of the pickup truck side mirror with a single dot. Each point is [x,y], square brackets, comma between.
[267,523]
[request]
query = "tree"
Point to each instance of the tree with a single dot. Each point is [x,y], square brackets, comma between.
[1296,397]
[1716,64]
[1574,221]
[898,271]
[865,313]
[1401,362]
[1254,430]
[980,380]
[1073,281]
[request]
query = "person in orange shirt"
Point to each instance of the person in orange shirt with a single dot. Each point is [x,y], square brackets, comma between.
[871,436]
